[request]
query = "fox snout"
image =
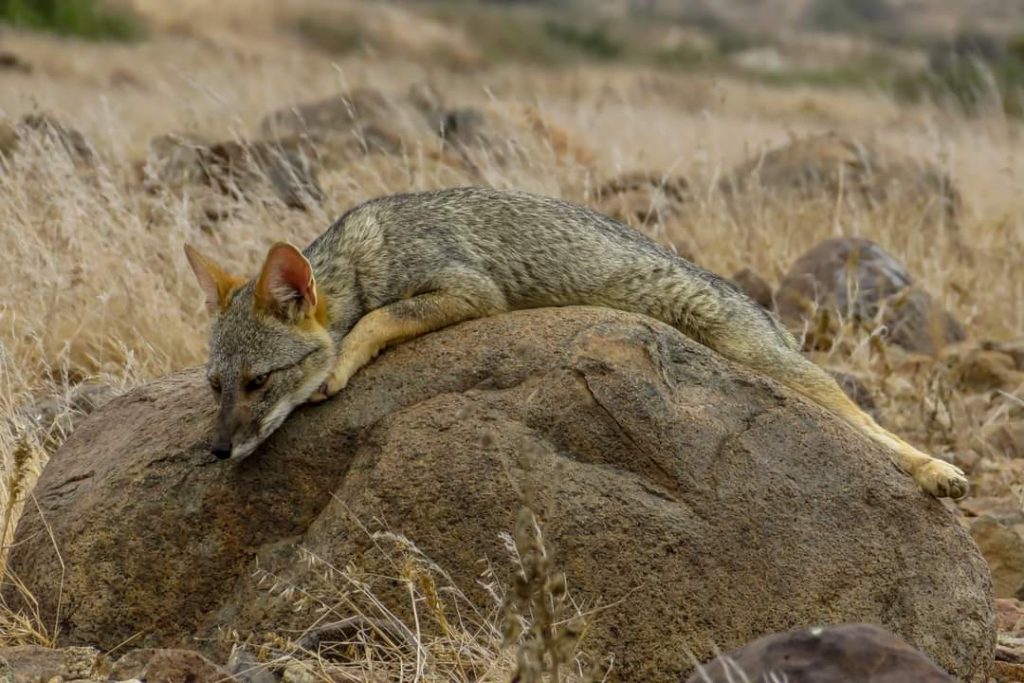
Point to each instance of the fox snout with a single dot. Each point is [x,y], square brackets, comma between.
[221,446]
[231,429]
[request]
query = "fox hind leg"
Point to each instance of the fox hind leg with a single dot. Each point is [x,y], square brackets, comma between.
[939,478]
[398,322]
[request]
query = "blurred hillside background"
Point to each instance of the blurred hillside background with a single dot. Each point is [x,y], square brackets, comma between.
[972,51]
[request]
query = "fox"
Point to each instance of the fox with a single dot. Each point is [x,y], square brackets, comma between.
[399,266]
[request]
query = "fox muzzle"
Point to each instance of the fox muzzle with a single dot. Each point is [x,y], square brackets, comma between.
[230,421]
[221,448]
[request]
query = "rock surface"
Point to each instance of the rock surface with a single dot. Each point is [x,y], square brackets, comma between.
[708,501]
[285,167]
[1003,547]
[1010,616]
[823,166]
[34,129]
[833,654]
[651,203]
[34,663]
[848,278]
[168,666]
[638,198]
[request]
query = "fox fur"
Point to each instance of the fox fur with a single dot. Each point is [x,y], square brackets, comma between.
[402,265]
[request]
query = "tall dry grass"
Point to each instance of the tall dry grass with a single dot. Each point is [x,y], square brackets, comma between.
[528,632]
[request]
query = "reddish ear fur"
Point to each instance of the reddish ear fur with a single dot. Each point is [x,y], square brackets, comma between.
[216,283]
[286,286]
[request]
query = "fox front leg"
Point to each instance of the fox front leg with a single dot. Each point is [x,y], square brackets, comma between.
[393,324]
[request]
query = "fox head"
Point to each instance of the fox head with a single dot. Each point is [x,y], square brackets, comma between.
[269,346]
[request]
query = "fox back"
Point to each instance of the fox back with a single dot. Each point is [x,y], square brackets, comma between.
[401,266]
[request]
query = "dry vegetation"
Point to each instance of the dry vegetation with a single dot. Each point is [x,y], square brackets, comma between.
[96,289]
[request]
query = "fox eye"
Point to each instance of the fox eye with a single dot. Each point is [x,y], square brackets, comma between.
[215,384]
[257,382]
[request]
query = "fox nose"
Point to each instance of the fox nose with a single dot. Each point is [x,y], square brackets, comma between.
[221,449]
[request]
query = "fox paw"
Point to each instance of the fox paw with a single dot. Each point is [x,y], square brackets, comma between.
[318,396]
[328,389]
[942,480]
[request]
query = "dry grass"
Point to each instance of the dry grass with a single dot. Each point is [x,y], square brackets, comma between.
[526,632]
[96,288]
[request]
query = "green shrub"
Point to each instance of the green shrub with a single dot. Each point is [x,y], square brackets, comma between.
[593,42]
[337,35]
[1015,47]
[731,40]
[848,15]
[682,56]
[973,72]
[82,18]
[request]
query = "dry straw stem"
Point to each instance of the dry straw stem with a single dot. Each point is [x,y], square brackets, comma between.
[535,610]
[438,635]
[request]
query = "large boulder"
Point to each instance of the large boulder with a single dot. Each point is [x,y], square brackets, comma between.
[851,279]
[649,202]
[834,654]
[43,129]
[829,165]
[284,167]
[705,504]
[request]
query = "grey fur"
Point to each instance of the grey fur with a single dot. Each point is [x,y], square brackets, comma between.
[523,251]
[459,253]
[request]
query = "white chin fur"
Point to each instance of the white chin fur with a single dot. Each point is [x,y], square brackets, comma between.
[244,449]
[277,415]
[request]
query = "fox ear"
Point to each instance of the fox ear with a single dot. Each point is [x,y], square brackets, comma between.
[215,282]
[286,286]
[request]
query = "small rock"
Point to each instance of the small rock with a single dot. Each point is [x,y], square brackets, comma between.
[465,126]
[1007,438]
[333,115]
[830,654]
[853,279]
[287,164]
[72,141]
[1004,509]
[34,663]
[12,62]
[1006,672]
[966,459]
[822,166]
[296,671]
[1010,616]
[244,666]
[347,126]
[754,285]
[1003,549]
[641,199]
[174,160]
[979,370]
[169,666]
[1010,648]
